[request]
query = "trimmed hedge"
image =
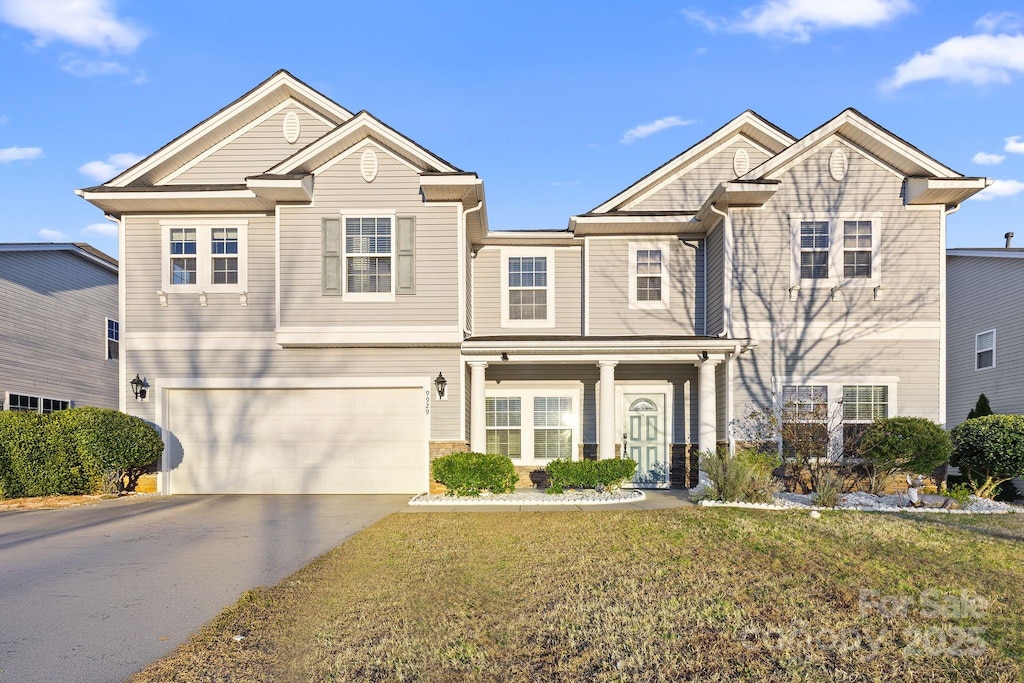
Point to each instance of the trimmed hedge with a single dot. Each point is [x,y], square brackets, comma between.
[587,474]
[907,444]
[467,474]
[989,450]
[73,451]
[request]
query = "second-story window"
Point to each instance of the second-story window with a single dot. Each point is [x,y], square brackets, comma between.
[527,288]
[368,255]
[840,250]
[113,339]
[985,350]
[206,256]
[224,250]
[183,256]
[857,249]
[648,275]
[813,250]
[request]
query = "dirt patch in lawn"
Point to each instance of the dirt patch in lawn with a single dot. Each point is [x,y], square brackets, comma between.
[686,594]
[51,502]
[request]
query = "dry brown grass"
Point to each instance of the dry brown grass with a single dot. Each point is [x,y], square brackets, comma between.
[687,594]
[51,502]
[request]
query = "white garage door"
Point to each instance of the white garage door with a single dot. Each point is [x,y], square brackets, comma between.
[297,441]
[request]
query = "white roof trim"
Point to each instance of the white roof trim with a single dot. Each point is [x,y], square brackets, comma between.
[985,253]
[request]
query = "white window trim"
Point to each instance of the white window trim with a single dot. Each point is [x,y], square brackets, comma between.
[107,339]
[368,296]
[978,351]
[666,283]
[39,410]
[504,254]
[835,251]
[204,255]
[526,394]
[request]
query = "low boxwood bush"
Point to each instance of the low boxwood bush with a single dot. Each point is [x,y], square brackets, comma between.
[73,452]
[588,474]
[989,451]
[467,474]
[907,444]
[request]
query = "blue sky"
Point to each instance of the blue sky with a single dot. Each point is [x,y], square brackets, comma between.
[557,105]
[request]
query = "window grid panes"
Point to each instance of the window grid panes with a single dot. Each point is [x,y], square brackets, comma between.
[113,339]
[551,437]
[224,247]
[527,288]
[985,350]
[504,426]
[183,256]
[648,275]
[857,247]
[368,255]
[814,249]
[23,403]
[51,405]
[805,414]
[865,403]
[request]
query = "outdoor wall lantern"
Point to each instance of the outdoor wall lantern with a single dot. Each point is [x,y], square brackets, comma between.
[139,387]
[440,384]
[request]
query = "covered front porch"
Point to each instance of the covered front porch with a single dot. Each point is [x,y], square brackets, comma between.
[657,400]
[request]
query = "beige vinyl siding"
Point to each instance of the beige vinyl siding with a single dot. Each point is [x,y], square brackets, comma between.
[714,247]
[361,363]
[984,294]
[224,313]
[53,328]
[395,190]
[609,270]
[681,379]
[487,294]
[255,151]
[688,192]
[722,401]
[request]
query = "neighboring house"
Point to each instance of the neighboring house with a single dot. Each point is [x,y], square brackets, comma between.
[298,279]
[59,331]
[985,328]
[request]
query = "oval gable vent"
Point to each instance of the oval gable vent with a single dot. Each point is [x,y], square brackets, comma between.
[741,162]
[838,164]
[291,127]
[368,165]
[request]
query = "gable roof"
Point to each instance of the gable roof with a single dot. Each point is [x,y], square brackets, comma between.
[359,127]
[81,249]
[261,99]
[863,133]
[749,124]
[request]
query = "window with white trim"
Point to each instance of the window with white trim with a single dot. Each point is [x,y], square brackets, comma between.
[527,287]
[648,275]
[985,350]
[35,404]
[838,250]
[552,437]
[532,425]
[504,426]
[862,405]
[368,255]
[207,256]
[113,339]
[805,413]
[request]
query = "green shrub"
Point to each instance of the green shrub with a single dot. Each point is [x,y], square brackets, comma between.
[588,474]
[830,489]
[746,476]
[467,474]
[22,454]
[981,408]
[961,493]
[907,444]
[989,450]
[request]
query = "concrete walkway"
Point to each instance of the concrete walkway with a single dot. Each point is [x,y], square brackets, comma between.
[657,499]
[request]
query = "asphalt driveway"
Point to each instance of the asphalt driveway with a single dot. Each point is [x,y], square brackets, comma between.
[95,593]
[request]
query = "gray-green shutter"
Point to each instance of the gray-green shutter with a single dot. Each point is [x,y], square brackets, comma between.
[405,269]
[331,250]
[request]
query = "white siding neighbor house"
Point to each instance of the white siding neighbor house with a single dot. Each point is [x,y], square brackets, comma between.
[59,327]
[985,354]
[318,304]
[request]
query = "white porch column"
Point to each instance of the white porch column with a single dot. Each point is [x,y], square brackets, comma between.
[606,436]
[707,418]
[477,408]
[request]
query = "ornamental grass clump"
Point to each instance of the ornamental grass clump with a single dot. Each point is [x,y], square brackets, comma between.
[744,477]
[467,474]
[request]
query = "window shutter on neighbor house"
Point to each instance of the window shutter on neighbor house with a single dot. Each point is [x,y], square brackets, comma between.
[331,249]
[405,242]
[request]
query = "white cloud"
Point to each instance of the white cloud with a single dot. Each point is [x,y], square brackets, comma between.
[1000,21]
[977,59]
[52,235]
[89,23]
[9,154]
[987,159]
[101,229]
[105,170]
[702,19]
[1001,188]
[796,20]
[84,68]
[1013,145]
[653,127]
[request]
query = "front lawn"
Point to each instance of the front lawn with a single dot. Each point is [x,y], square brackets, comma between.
[709,594]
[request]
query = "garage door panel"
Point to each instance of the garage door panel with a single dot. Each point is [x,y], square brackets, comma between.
[298,441]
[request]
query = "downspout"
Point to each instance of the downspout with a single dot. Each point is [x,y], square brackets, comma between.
[726,316]
[470,290]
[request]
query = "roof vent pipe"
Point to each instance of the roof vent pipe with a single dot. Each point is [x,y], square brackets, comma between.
[1009,238]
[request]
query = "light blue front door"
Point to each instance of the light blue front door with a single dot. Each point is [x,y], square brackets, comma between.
[644,439]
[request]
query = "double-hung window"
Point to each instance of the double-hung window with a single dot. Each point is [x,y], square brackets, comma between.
[840,250]
[857,251]
[648,275]
[368,255]
[827,416]
[552,436]
[113,339]
[985,350]
[504,426]
[862,404]
[204,255]
[805,417]
[532,425]
[527,290]
[814,239]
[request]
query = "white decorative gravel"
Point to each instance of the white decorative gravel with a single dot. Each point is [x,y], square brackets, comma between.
[533,497]
[867,502]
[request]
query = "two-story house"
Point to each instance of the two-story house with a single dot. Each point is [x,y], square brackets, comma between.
[318,305]
[59,327]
